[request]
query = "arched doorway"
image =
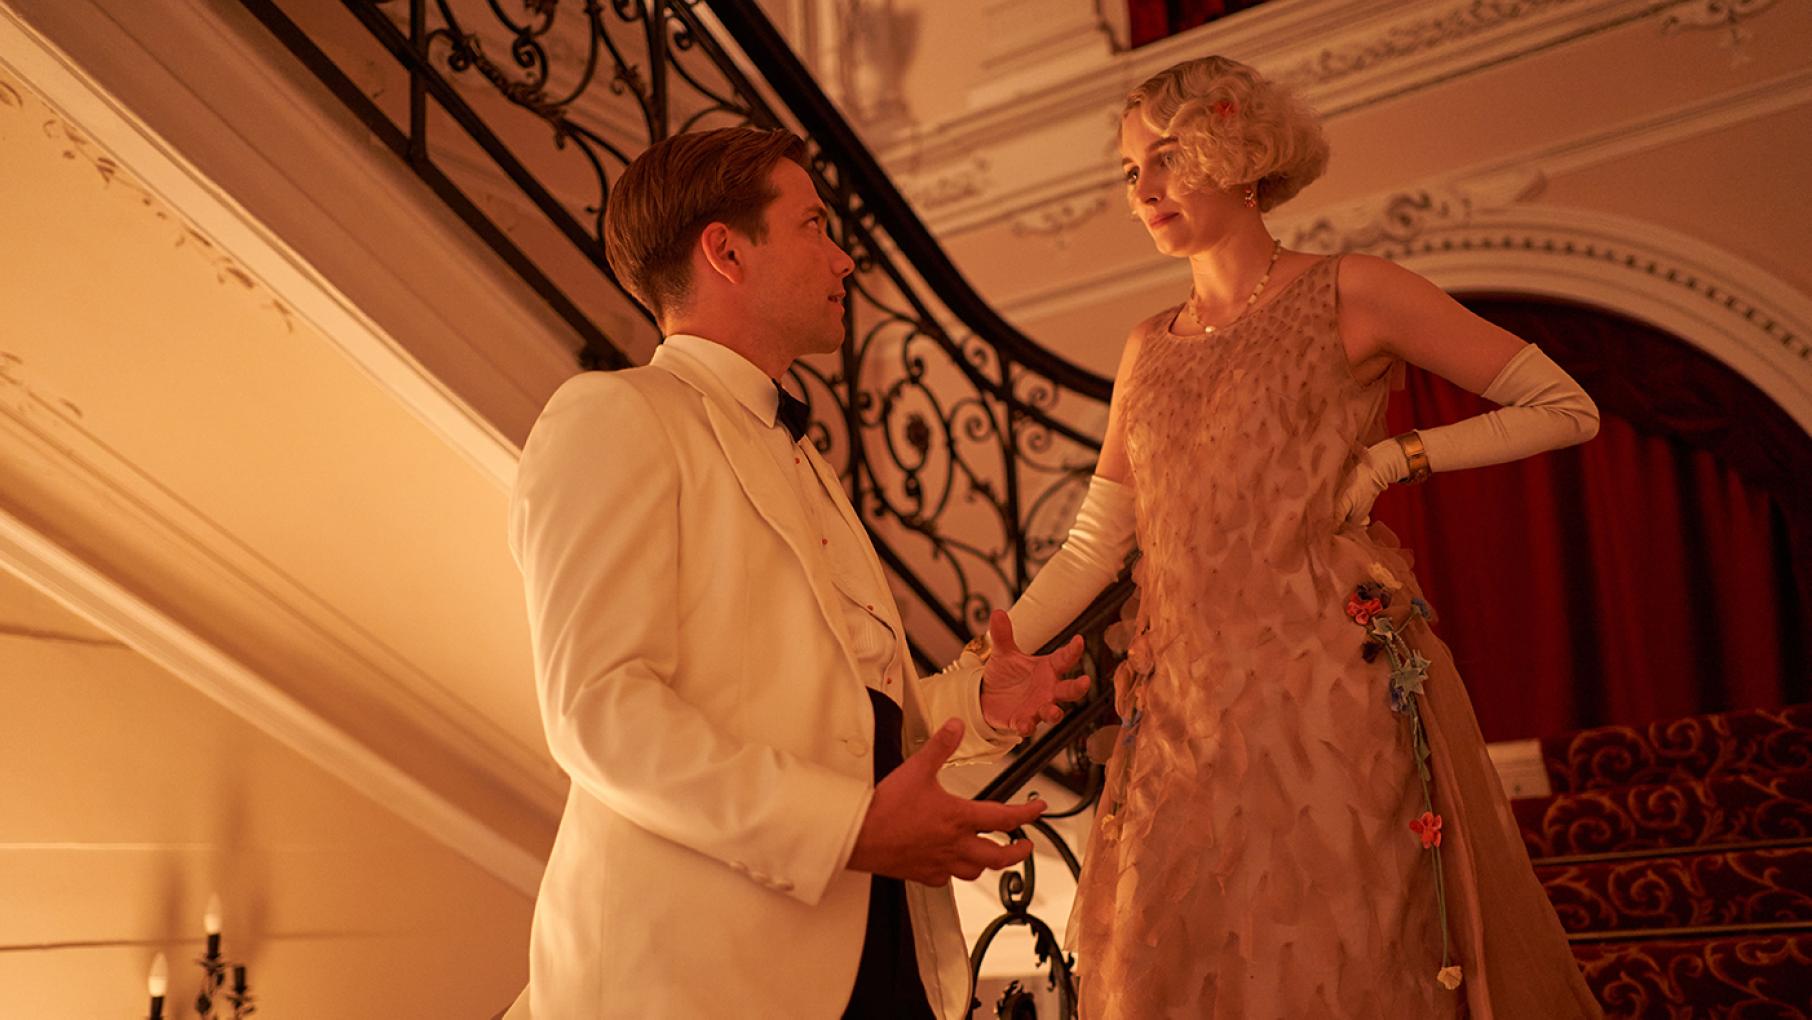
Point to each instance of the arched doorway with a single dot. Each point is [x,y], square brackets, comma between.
[1662,570]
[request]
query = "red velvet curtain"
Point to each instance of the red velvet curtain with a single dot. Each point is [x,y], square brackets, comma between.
[1663,569]
[1158,19]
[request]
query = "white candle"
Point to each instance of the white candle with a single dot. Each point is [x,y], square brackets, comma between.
[159,981]
[211,920]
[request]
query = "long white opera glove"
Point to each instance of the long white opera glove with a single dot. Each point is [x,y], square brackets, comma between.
[1542,409]
[1089,559]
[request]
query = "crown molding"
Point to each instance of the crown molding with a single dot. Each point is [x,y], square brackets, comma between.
[200,571]
[1486,233]
[1731,308]
[171,183]
[248,145]
[1377,52]
[962,174]
[52,468]
[1459,191]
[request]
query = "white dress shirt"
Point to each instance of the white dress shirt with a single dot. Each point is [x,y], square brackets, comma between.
[874,643]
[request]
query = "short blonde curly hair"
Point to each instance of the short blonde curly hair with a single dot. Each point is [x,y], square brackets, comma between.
[1234,128]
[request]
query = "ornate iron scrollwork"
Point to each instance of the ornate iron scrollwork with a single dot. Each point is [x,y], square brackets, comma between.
[961,447]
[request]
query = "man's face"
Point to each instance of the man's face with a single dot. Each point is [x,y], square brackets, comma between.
[795,277]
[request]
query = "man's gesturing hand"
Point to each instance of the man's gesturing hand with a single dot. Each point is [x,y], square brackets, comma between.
[1018,690]
[917,830]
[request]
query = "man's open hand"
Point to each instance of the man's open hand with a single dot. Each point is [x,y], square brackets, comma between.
[1019,691]
[917,830]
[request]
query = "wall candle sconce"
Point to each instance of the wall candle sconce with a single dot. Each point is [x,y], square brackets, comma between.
[211,965]
[214,969]
[158,983]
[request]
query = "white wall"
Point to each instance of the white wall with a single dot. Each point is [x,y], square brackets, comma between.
[128,797]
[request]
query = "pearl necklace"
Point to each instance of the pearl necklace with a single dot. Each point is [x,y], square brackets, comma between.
[1189,306]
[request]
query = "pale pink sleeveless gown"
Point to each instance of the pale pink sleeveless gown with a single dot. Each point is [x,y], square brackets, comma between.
[1252,857]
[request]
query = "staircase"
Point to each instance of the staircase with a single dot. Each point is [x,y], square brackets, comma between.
[1679,858]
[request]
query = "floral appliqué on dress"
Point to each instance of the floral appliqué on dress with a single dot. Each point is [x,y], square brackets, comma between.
[1368,607]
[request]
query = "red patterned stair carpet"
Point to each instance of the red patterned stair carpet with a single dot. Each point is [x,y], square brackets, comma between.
[1679,857]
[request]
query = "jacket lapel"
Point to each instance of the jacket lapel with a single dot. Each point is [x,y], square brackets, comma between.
[878,575]
[834,485]
[772,494]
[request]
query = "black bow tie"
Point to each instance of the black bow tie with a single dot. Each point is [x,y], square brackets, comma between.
[792,413]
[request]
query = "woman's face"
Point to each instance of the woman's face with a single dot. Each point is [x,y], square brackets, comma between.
[1180,222]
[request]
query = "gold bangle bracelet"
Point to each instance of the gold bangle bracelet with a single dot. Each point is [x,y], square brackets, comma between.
[1411,442]
[980,646]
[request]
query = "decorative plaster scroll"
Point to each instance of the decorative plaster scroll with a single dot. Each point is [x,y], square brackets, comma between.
[1386,52]
[78,148]
[20,397]
[1412,38]
[1758,324]
[58,84]
[1400,217]
[1718,14]
[1486,235]
[48,439]
[1720,297]
[1056,222]
[1486,225]
[949,187]
[1713,14]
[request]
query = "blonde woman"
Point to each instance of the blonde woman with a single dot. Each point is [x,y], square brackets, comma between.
[1300,819]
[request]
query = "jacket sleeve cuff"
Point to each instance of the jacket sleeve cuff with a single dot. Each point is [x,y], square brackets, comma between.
[955,690]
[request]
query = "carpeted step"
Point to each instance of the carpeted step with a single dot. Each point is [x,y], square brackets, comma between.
[1741,743]
[1695,813]
[1754,976]
[1740,886]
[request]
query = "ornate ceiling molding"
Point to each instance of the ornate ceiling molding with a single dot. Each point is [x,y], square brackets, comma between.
[1485,235]
[1401,217]
[952,186]
[1753,321]
[1057,221]
[1377,52]
[182,587]
[1381,52]
[127,152]
[1716,14]
[81,150]
[1414,36]
[1488,233]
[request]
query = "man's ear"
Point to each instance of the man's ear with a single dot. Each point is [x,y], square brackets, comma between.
[722,250]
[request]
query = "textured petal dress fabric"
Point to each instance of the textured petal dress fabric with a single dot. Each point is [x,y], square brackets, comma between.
[1253,857]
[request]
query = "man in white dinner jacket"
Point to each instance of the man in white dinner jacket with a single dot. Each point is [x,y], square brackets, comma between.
[721,668]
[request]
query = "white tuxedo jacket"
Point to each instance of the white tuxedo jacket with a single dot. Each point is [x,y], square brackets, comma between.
[697,685]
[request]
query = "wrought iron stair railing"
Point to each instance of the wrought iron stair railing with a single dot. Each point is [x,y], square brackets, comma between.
[963,443]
